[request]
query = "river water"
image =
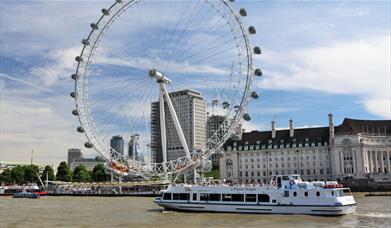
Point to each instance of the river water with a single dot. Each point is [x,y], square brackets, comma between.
[142,212]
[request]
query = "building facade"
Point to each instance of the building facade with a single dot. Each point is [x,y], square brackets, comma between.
[190,108]
[73,155]
[216,124]
[350,150]
[75,158]
[117,145]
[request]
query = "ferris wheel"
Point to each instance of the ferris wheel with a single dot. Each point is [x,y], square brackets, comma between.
[161,85]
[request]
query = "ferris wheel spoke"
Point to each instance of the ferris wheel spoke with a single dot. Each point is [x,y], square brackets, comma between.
[186,26]
[186,39]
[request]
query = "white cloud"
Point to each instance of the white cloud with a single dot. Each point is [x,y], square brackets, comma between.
[43,124]
[61,65]
[360,68]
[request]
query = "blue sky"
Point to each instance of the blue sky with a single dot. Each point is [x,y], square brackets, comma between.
[317,57]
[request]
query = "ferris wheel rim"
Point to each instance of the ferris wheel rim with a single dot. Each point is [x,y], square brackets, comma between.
[82,103]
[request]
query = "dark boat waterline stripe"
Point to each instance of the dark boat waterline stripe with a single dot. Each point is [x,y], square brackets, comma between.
[326,210]
[253,209]
[191,207]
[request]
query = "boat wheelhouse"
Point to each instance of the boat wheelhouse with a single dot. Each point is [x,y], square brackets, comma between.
[286,194]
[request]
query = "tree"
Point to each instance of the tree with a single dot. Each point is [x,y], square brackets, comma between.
[6,176]
[99,174]
[49,172]
[80,174]
[30,173]
[215,172]
[17,174]
[63,172]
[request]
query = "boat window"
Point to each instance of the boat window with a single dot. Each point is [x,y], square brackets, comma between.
[184,196]
[238,197]
[332,193]
[305,193]
[214,197]
[286,193]
[274,201]
[251,198]
[318,194]
[263,198]
[167,196]
[194,196]
[285,178]
[175,196]
[227,197]
[294,193]
[203,196]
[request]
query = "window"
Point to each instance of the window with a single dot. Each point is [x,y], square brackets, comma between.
[317,194]
[203,196]
[251,198]
[237,197]
[226,197]
[308,172]
[305,193]
[167,196]
[194,196]
[295,194]
[184,196]
[263,198]
[175,196]
[214,197]
[286,193]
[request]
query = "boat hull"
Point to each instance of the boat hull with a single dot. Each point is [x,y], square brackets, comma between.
[259,209]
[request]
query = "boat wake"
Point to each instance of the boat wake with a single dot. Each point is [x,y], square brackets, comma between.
[376,215]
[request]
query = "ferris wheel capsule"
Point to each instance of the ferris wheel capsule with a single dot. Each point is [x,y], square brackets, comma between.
[75,112]
[94,26]
[257,50]
[85,42]
[243,12]
[75,76]
[254,95]
[258,72]
[252,30]
[78,59]
[80,130]
[246,117]
[73,94]
[88,145]
[105,12]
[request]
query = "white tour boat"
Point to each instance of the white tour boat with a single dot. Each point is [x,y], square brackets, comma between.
[286,194]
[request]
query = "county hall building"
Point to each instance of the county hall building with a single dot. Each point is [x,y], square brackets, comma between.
[355,149]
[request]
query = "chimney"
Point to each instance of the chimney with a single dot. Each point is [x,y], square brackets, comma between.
[331,128]
[273,129]
[291,130]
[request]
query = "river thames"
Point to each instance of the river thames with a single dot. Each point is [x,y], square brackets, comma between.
[142,212]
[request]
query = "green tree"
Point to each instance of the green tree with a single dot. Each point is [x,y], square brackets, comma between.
[49,172]
[31,173]
[17,174]
[63,172]
[215,172]
[80,174]
[6,176]
[99,174]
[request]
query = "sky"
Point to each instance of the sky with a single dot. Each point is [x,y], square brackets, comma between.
[318,57]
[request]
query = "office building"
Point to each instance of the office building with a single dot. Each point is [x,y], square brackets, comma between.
[190,108]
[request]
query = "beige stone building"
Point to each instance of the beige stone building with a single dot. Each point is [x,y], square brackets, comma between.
[355,149]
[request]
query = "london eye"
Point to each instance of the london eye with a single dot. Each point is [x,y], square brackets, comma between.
[157,73]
